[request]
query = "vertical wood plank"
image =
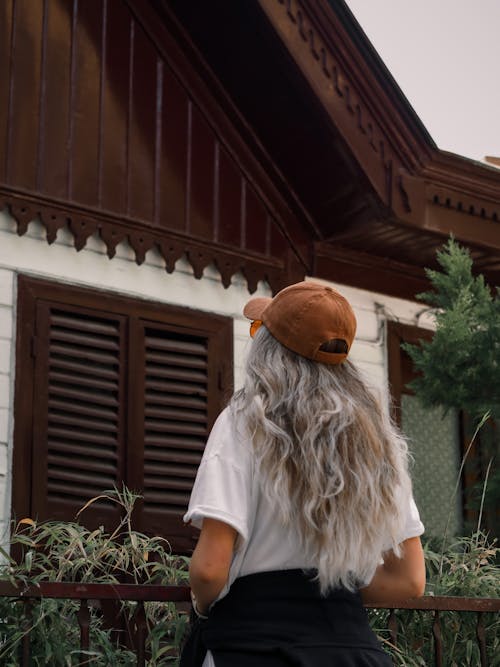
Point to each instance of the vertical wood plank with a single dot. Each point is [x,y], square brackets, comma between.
[243,212]
[25,91]
[141,632]
[256,226]
[142,127]
[86,102]
[438,640]
[173,159]
[122,440]
[6,24]
[23,400]
[220,372]
[27,626]
[136,364]
[216,193]
[83,617]
[392,625]
[269,227]
[202,177]
[115,91]
[53,158]
[102,88]
[41,100]
[481,639]
[38,473]
[158,142]
[279,245]
[229,200]
[394,354]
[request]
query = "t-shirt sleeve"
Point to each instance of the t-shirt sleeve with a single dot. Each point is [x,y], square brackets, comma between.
[412,526]
[222,489]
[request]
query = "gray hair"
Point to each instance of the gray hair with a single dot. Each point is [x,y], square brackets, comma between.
[329,457]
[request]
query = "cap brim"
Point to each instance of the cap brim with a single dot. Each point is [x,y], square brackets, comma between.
[255,307]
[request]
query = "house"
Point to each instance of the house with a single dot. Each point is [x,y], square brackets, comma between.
[162,160]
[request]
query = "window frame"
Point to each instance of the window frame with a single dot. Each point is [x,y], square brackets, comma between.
[401,372]
[32,292]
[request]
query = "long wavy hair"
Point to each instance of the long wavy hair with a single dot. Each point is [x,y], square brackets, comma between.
[329,458]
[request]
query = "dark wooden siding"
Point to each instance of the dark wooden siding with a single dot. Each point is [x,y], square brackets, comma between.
[100,125]
[112,390]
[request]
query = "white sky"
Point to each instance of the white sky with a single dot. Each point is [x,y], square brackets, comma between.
[445,56]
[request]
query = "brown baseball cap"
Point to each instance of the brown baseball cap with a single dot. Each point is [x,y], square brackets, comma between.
[309,319]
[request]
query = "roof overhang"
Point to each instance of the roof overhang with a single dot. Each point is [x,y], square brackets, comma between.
[377,190]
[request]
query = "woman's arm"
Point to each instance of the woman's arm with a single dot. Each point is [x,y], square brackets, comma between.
[398,578]
[211,560]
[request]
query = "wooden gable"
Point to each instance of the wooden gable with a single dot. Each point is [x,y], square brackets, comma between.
[381,197]
[266,137]
[108,127]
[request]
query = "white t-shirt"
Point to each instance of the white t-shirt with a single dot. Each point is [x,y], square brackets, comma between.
[227,489]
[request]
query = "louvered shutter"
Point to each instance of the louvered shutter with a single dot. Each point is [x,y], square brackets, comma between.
[175,423]
[110,390]
[78,398]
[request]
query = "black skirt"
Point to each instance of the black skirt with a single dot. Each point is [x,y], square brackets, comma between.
[279,619]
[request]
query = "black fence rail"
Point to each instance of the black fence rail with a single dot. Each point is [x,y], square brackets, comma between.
[118,593]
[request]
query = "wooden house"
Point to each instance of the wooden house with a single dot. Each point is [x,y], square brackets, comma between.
[161,161]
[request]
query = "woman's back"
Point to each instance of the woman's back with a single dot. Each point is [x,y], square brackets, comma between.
[304,480]
[230,488]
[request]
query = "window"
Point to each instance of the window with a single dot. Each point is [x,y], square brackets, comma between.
[434,439]
[112,390]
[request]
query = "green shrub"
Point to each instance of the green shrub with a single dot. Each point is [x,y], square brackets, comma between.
[459,368]
[466,567]
[63,551]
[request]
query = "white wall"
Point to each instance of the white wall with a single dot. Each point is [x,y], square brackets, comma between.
[373,311]
[31,255]
[6,389]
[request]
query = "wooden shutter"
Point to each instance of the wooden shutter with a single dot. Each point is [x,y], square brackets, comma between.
[78,411]
[172,420]
[112,390]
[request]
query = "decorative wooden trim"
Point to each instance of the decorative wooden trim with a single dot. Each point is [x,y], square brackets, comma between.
[141,236]
[450,209]
[461,175]
[459,201]
[383,152]
[404,166]
[443,209]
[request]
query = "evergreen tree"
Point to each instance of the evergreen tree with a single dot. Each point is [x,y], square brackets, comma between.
[460,366]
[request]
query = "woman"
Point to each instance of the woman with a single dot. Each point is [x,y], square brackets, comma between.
[303,499]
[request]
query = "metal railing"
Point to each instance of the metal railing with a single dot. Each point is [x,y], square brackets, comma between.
[87,592]
[437,605]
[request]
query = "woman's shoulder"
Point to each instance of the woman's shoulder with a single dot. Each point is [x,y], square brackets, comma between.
[228,437]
